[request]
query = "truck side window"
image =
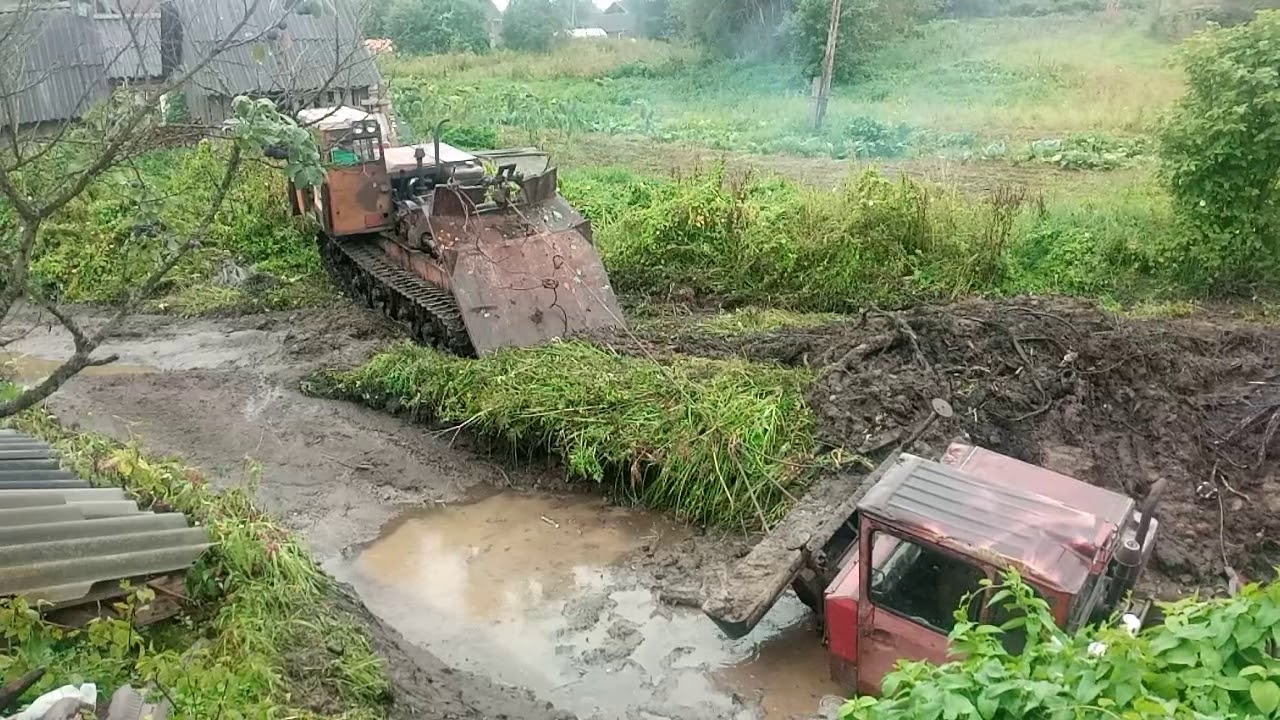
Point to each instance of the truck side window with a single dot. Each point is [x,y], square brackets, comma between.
[923,584]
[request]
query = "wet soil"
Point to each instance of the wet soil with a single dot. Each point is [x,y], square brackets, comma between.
[546,591]
[222,393]
[1061,383]
[489,605]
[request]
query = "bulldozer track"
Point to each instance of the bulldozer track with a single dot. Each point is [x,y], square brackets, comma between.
[430,314]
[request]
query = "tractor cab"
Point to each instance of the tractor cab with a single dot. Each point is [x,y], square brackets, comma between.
[928,533]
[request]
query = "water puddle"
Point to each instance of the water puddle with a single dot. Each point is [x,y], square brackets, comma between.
[529,591]
[30,369]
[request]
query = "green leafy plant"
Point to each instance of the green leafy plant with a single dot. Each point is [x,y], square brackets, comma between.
[720,442]
[1207,659]
[1220,152]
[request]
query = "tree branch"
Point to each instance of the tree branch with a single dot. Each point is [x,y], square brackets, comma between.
[85,344]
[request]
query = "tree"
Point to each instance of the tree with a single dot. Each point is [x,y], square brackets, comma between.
[1220,154]
[92,140]
[654,18]
[438,26]
[739,27]
[375,23]
[531,25]
[865,25]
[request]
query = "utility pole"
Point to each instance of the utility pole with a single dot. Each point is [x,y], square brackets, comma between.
[822,85]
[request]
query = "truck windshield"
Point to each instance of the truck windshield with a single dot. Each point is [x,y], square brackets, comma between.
[923,584]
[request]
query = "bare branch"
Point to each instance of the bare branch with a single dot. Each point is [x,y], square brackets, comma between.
[85,344]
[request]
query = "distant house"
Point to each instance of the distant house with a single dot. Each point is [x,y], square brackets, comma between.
[304,61]
[75,51]
[616,21]
[493,24]
[585,33]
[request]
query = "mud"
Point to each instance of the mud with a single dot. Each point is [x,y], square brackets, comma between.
[223,394]
[1118,403]
[544,592]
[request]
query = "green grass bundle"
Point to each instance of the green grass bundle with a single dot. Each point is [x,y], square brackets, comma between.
[718,442]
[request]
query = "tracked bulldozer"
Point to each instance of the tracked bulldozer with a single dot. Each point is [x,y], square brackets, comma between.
[470,251]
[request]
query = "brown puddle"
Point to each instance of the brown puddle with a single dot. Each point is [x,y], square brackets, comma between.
[527,590]
[30,369]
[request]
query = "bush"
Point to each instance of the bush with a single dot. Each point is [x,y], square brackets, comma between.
[1208,659]
[719,442]
[530,25]
[471,137]
[769,241]
[107,241]
[1220,152]
[438,26]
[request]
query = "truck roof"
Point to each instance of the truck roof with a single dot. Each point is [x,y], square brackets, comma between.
[978,503]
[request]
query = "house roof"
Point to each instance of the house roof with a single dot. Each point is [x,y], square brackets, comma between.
[53,66]
[616,23]
[131,46]
[1002,511]
[309,53]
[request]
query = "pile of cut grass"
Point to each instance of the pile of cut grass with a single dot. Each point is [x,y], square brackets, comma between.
[718,442]
[262,635]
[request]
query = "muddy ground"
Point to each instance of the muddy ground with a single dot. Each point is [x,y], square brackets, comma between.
[223,392]
[513,606]
[1061,383]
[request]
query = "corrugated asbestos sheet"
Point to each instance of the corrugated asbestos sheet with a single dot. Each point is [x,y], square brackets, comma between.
[62,541]
[309,53]
[124,39]
[53,65]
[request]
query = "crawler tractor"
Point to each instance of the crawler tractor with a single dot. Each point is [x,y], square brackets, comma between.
[471,252]
[886,559]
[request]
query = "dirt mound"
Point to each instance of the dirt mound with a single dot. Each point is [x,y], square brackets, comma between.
[1118,403]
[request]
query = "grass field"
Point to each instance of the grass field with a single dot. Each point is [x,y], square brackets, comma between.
[971,88]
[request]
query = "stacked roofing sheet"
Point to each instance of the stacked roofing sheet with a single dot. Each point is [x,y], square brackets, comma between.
[63,542]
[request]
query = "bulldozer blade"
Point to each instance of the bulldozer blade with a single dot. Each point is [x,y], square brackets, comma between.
[527,274]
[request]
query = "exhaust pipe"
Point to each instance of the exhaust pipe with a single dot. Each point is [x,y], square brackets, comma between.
[1128,556]
[436,139]
[1148,509]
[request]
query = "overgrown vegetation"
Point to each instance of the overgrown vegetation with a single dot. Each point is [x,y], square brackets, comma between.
[435,26]
[1221,155]
[767,241]
[530,25]
[260,636]
[108,241]
[718,442]
[1208,659]
[954,88]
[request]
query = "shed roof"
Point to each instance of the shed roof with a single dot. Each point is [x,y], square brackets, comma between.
[53,67]
[310,53]
[977,515]
[59,538]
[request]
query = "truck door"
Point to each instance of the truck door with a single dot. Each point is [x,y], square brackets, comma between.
[908,604]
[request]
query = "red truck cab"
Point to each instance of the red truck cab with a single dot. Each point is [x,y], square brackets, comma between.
[928,532]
